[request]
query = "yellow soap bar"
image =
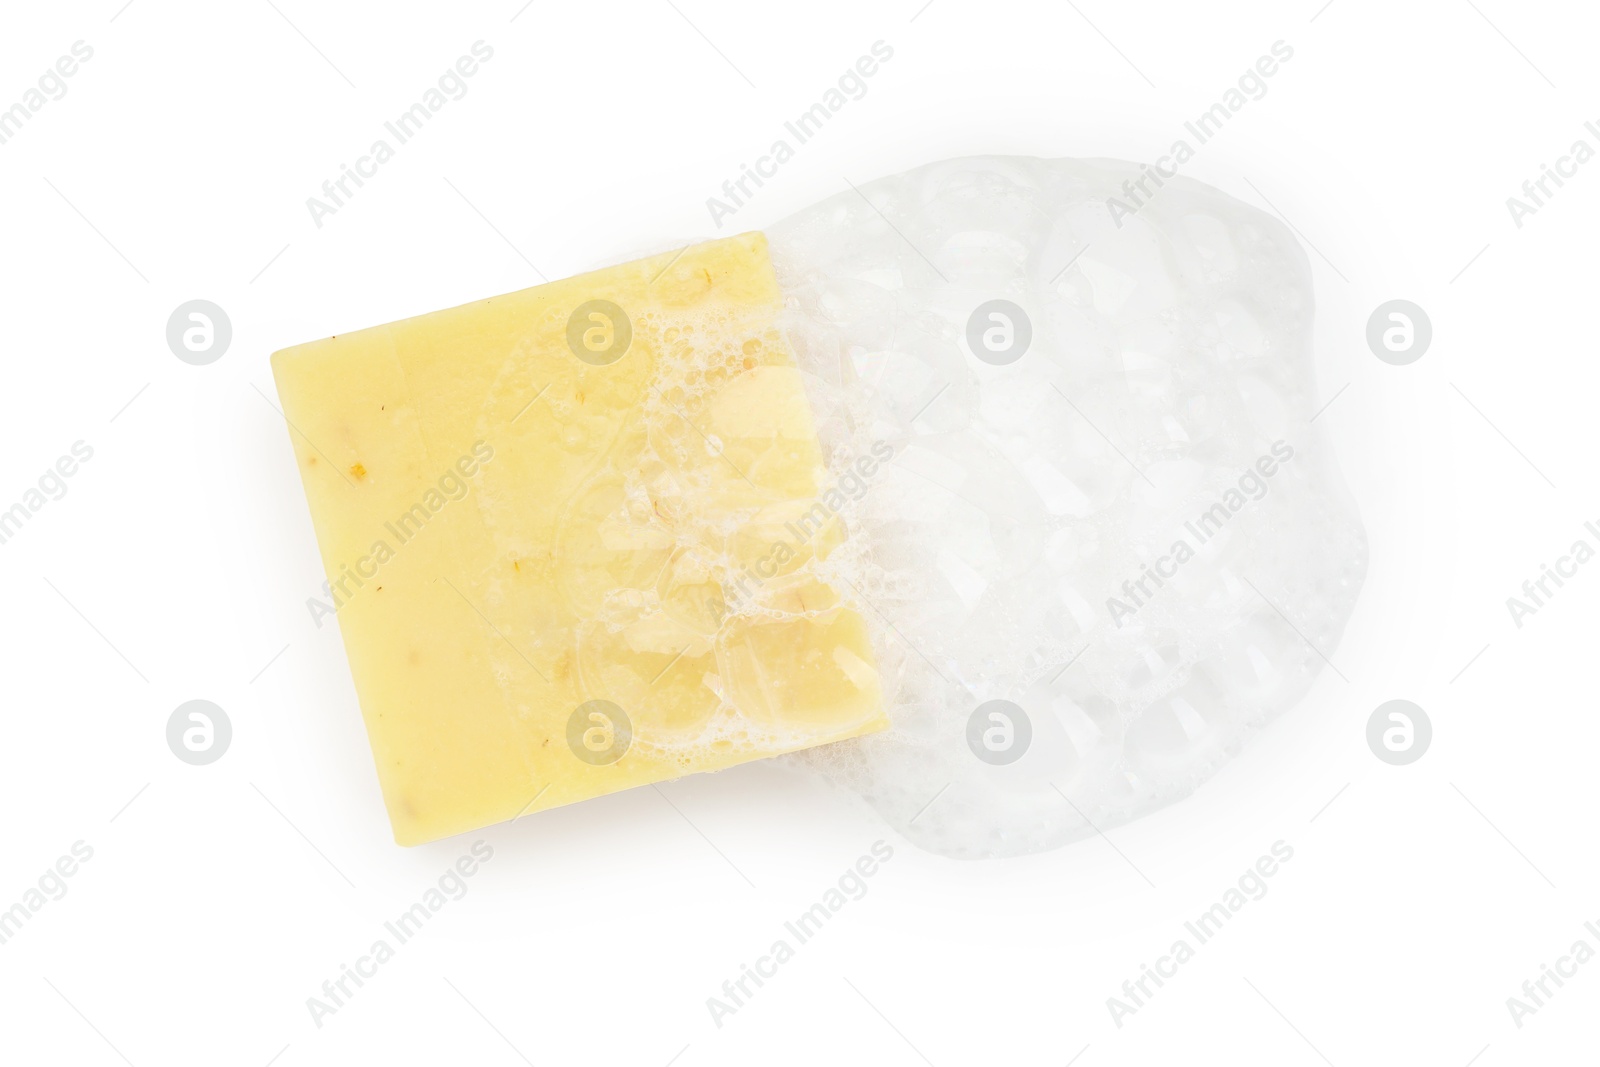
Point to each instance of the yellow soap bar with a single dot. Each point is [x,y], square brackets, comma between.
[572,536]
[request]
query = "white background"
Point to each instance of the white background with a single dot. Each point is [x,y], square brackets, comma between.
[221,897]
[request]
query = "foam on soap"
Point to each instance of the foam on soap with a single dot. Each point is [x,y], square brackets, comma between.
[698,557]
[1121,531]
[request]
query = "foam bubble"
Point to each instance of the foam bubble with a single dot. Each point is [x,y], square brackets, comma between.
[1023,542]
[671,618]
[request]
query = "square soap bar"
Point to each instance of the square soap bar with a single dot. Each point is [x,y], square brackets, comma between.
[572,536]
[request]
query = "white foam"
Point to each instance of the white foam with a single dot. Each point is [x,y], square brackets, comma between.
[1164,365]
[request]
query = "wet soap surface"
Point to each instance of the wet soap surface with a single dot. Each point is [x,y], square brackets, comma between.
[603,489]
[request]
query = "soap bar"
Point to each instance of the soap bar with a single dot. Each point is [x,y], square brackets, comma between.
[573,538]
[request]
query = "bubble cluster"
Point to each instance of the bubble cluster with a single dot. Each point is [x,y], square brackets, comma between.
[705,568]
[1130,530]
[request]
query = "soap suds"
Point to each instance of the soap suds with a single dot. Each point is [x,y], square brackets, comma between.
[680,591]
[1133,531]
